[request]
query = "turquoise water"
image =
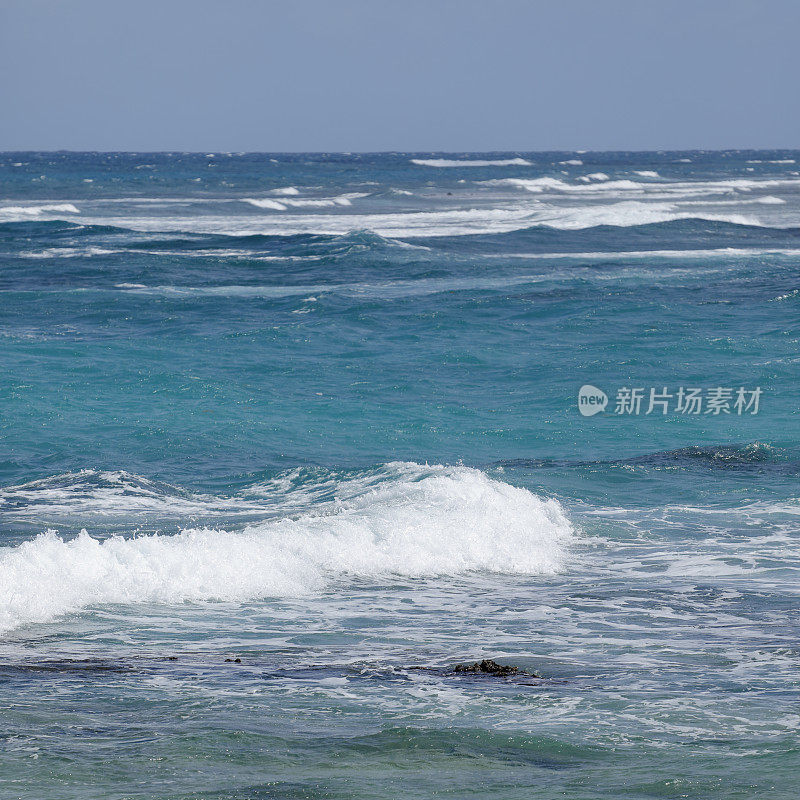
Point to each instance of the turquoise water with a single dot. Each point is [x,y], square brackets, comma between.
[319,413]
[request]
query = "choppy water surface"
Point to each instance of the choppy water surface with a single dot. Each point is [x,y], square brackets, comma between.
[284,438]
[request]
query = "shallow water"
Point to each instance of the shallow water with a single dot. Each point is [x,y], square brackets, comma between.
[319,414]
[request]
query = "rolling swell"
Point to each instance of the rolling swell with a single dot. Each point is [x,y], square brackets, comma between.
[676,235]
[755,456]
[688,234]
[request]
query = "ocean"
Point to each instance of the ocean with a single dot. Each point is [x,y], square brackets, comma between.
[286,437]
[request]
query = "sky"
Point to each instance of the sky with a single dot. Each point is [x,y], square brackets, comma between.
[407,75]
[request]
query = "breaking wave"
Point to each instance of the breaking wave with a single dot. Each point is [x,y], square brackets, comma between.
[408,521]
[21,213]
[306,202]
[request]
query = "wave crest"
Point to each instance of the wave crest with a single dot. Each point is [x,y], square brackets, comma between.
[425,521]
[22,213]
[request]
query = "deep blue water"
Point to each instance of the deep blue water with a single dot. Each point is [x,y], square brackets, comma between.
[320,413]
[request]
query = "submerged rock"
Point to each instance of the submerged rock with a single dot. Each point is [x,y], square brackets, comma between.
[489,667]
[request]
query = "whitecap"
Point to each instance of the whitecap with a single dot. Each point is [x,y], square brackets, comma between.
[273,205]
[427,521]
[23,212]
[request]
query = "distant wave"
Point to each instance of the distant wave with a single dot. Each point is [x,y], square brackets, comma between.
[424,521]
[425,286]
[628,214]
[445,162]
[418,224]
[306,202]
[70,252]
[590,200]
[709,253]
[754,455]
[12,213]
[718,455]
[274,205]
[104,493]
[449,222]
[386,290]
[598,183]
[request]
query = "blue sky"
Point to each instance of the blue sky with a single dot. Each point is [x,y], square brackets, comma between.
[350,75]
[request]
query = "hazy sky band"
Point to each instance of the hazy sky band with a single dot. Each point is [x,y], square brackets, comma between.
[370,75]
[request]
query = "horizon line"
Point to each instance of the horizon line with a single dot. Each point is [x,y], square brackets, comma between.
[581,151]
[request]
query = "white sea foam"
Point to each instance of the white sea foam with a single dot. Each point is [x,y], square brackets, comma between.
[531,184]
[547,201]
[306,202]
[646,173]
[429,521]
[68,252]
[595,183]
[273,205]
[444,162]
[451,222]
[616,255]
[105,494]
[765,200]
[673,190]
[751,541]
[626,214]
[15,213]
[325,202]
[572,162]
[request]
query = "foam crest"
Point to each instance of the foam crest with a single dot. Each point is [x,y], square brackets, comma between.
[306,202]
[107,494]
[629,213]
[594,184]
[451,222]
[273,205]
[426,521]
[19,213]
